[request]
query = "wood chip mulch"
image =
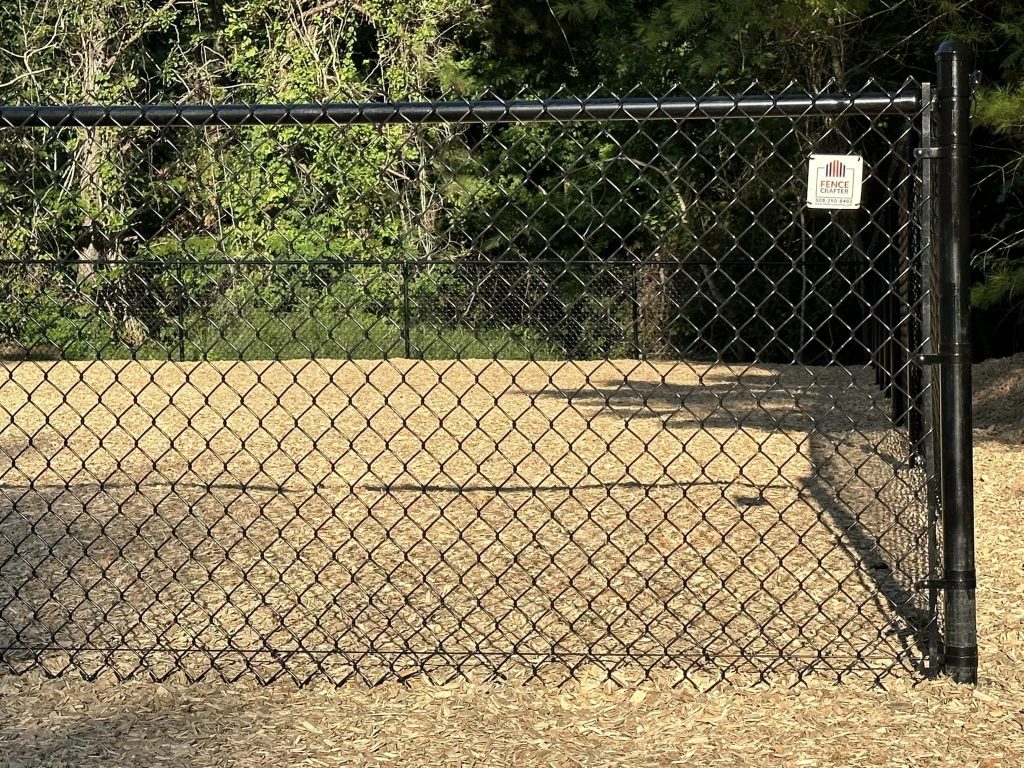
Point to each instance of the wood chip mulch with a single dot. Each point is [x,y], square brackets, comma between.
[71,722]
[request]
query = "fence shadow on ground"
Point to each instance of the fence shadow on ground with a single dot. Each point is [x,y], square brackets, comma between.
[869,492]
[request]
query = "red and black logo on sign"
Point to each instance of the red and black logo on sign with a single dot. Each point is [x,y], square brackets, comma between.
[835,170]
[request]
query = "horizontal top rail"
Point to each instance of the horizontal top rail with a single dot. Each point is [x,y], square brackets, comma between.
[250,261]
[488,111]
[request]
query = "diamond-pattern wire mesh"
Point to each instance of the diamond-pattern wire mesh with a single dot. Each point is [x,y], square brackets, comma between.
[483,397]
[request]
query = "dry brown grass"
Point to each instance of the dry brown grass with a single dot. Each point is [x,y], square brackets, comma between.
[585,722]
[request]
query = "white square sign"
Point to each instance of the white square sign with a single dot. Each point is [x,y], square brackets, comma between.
[834,181]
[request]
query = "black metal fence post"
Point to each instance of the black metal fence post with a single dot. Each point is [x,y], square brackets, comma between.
[917,287]
[954,361]
[406,319]
[927,443]
[181,313]
[635,308]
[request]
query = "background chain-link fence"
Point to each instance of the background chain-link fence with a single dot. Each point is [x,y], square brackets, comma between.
[481,388]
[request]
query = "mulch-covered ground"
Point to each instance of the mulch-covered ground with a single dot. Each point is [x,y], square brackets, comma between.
[587,721]
[379,519]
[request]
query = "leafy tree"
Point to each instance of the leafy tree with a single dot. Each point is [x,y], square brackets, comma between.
[113,211]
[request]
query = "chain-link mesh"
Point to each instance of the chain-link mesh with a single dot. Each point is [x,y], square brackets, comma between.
[500,389]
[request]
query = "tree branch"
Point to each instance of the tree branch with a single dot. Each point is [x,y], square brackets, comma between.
[132,39]
[318,9]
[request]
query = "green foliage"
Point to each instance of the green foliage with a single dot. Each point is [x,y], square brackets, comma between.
[45,318]
[139,228]
[998,288]
[328,332]
[1001,109]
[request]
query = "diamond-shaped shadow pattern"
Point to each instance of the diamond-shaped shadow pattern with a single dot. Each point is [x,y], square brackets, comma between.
[503,389]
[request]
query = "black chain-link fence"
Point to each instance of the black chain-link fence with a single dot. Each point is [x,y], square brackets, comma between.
[495,388]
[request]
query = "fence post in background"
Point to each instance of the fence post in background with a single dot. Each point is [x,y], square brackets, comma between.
[884,333]
[800,358]
[917,287]
[181,313]
[954,363]
[406,330]
[901,294]
[927,444]
[635,307]
[876,323]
